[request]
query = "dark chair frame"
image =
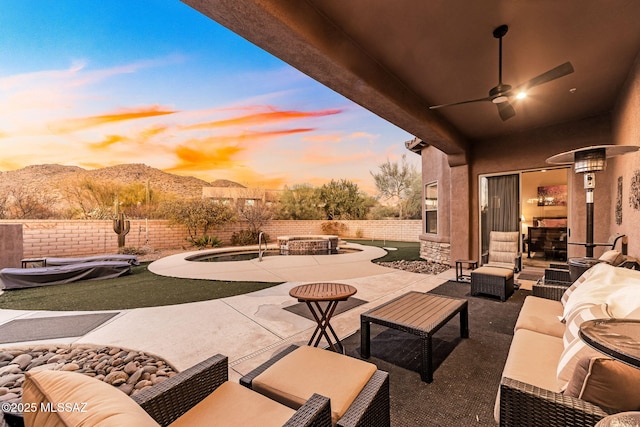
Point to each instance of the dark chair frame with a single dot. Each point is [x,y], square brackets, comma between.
[168,400]
[370,408]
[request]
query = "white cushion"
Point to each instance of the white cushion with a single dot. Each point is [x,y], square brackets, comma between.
[602,281]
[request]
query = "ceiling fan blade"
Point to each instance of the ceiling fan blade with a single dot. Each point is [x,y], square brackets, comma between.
[505,110]
[486,98]
[554,73]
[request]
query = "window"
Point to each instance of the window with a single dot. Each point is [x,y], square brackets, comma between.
[431,208]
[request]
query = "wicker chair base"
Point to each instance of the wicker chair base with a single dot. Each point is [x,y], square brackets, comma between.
[489,284]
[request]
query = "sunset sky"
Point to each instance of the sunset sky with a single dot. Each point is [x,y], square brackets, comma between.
[99,83]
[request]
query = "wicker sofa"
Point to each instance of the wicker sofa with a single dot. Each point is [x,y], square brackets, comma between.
[544,381]
[165,402]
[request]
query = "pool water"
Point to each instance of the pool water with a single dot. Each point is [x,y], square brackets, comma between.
[248,256]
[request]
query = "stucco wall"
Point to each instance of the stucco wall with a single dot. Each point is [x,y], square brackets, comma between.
[626,131]
[530,150]
[77,238]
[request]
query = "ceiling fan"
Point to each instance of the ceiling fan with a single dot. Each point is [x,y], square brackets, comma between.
[500,94]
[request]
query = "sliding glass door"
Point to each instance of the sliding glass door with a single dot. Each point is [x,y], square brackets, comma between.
[499,205]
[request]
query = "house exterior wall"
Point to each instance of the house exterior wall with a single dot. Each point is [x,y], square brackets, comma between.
[528,151]
[626,131]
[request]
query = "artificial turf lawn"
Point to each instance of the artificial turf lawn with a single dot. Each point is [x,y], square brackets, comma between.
[141,288]
[408,251]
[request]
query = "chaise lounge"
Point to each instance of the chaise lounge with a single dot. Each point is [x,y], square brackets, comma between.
[20,278]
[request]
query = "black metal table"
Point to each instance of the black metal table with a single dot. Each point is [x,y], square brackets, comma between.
[618,338]
[472,264]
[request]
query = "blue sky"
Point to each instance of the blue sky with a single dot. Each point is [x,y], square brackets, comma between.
[95,84]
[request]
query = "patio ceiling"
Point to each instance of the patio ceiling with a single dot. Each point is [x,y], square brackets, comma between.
[396,58]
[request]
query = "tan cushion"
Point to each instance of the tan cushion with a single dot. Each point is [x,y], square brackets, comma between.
[606,382]
[575,351]
[106,406]
[531,359]
[612,257]
[503,246]
[234,405]
[541,315]
[494,271]
[293,379]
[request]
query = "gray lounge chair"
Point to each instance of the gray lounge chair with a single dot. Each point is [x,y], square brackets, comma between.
[19,278]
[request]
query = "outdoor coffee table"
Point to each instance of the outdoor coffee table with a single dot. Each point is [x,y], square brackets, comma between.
[313,294]
[419,314]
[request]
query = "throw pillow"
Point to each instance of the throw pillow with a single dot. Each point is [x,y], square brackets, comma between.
[612,257]
[574,285]
[579,315]
[62,399]
[606,382]
[575,351]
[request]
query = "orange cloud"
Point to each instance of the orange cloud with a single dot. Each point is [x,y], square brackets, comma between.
[218,152]
[108,141]
[263,118]
[73,125]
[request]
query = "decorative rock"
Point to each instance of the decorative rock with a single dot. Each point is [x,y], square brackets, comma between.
[131,367]
[129,371]
[150,369]
[135,377]
[142,384]
[8,397]
[9,380]
[10,369]
[116,376]
[5,356]
[126,388]
[70,367]
[23,360]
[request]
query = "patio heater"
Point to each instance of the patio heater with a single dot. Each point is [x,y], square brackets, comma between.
[588,161]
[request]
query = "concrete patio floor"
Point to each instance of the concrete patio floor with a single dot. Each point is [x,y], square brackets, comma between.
[247,328]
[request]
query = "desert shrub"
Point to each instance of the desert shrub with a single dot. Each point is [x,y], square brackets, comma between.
[334,227]
[204,241]
[130,250]
[247,237]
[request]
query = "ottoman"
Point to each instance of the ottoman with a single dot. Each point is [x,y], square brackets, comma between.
[495,281]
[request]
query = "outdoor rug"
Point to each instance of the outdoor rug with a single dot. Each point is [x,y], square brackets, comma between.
[301,308]
[466,371]
[45,328]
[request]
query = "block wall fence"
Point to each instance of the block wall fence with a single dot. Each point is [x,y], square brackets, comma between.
[69,238]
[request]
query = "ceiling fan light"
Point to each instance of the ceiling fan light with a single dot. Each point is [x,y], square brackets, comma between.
[521,95]
[499,99]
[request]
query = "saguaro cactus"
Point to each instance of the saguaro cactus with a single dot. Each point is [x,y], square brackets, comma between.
[121,226]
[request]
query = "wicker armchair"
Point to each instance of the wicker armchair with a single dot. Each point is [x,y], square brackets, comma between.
[170,399]
[504,250]
[370,408]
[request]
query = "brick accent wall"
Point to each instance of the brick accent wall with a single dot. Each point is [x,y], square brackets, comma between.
[436,252]
[69,238]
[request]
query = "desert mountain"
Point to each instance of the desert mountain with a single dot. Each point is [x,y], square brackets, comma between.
[49,178]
